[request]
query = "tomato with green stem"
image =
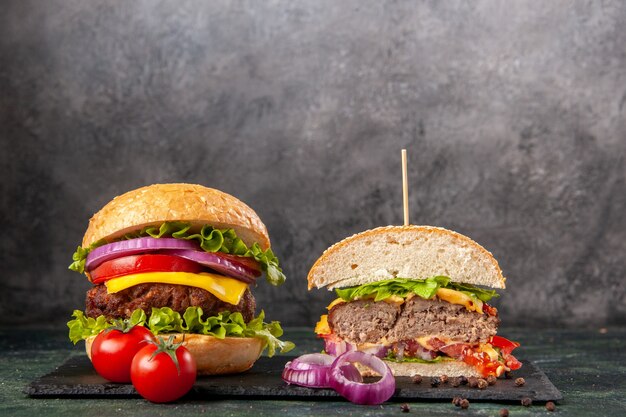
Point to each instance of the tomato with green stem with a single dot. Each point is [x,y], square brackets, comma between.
[163,371]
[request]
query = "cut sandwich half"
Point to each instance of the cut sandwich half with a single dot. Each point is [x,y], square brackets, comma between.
[415,296]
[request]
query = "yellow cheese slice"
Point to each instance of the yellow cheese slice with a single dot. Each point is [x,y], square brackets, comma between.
[457,297]
[334,303]
[226,289]
[322,326]
[392,299]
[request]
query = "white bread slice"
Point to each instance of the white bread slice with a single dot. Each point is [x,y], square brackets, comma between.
[414,252]
[448,368]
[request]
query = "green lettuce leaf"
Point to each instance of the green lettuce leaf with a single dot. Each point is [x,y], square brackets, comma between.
[82,327]
[209,238]
[425,288]
[165,320]
[475,292]
[80,256]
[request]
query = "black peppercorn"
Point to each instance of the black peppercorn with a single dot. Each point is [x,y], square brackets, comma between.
[504,412]
[491,380]
[527,402]
[457,401]
[455,382]
[520,382]
[550,406]
[405,408]
[435,381]
[472,382]
[463,380]
[444,379]
[464,404]
[417,379]
[482,384]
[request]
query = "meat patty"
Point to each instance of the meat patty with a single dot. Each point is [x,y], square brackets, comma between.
[435,317]
[368,321]
[177,297]
[363,320]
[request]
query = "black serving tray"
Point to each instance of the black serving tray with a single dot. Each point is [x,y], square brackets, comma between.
[76,378]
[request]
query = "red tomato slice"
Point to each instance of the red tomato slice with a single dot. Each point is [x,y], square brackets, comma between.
[479,360]
[505,345]
[134,264]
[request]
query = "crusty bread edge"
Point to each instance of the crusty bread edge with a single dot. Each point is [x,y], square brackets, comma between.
[383,229]
[153,205]
[214,356]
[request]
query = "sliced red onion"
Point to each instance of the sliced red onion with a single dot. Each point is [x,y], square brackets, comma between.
[217,263]
[356,391]
[312,360]
[339,348]
[133,247]
[175,247]
[313,371]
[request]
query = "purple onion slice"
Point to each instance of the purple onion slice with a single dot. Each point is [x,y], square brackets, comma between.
[313,371]
[356,391]
[174,247]
[133,247]
[218,263]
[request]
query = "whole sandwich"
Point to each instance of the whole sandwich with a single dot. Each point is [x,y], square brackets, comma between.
[415,296]
[180,259]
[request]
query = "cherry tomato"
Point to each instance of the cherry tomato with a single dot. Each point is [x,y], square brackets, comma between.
[113,350]
[134,264]
[160,378]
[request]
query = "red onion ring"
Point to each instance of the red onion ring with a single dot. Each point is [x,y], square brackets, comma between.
[313,371]
[133,247]
[217,263]
[174,247]
[357,391]
[335,348]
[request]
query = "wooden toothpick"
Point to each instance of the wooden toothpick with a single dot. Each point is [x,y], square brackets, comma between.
[405,189]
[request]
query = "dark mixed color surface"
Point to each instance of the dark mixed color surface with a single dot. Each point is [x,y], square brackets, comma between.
[513,114]
[587,366]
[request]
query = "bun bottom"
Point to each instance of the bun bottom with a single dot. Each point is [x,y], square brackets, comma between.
[214,356]
[449,368]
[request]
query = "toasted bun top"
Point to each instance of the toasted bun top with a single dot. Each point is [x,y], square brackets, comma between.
[158,203]
[414,252]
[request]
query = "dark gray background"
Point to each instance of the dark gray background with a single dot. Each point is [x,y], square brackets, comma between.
[513,114]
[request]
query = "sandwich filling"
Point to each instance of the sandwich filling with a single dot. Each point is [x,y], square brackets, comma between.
[177,280]
[425,321]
